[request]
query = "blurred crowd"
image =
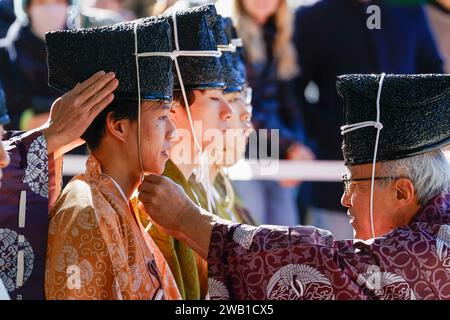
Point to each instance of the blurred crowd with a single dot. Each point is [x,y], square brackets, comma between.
[294,51]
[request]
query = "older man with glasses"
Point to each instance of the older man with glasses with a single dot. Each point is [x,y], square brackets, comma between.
[396,192]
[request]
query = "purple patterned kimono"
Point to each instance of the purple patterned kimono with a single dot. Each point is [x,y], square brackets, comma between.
[24,202]
[270,262]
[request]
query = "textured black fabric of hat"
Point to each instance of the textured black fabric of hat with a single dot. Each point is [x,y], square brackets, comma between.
[414,112]
[195,33]
[4,118]
[75,55]
[236,80]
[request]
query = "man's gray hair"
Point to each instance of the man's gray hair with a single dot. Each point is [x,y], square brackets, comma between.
[429,173]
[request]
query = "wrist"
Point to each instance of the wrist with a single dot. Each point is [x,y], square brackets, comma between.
[51,138]
[196,228]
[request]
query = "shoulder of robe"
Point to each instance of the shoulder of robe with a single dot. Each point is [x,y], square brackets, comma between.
[75,199]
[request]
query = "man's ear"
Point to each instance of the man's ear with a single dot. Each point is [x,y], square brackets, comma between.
[117,128]
[405,191]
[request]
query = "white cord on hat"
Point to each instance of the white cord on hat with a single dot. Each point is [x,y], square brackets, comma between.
[237,42]
[378,125]
[139,101]
[232,46]
[177,53]
[226,47]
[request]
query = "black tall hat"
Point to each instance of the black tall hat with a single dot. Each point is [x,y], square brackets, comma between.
[75,55]
[4,118]
[194,27]
[229,70]
[414,112]
[238,82]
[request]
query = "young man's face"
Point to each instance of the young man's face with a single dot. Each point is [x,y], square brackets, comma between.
[240,129]
[211,115]
[157,133]
[4,157]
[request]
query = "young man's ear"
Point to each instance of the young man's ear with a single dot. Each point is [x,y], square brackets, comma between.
[175,111]
[117,128]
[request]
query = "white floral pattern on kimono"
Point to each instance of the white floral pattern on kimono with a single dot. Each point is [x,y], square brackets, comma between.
[36,172]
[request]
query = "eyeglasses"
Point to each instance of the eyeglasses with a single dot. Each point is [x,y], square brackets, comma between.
[346,181]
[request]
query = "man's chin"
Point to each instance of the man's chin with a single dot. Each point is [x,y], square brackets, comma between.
[156,168]
[362,236]
[162,164]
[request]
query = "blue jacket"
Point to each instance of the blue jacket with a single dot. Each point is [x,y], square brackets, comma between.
[332,38]
[25,78]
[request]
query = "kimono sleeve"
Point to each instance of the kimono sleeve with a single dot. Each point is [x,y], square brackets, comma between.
[24,201]
[271,262]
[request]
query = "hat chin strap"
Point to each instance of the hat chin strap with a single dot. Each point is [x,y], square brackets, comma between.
[378,125]
[174,56]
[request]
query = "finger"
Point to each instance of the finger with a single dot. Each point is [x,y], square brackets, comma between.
[146,197]
[154,178]
[83,85]
[95,87]
[99,96]
[95,111]
[151,190]
[146,186]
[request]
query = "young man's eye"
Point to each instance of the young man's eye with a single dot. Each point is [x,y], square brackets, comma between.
[163,118]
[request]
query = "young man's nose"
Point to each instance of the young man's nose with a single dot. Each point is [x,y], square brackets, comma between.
[171,130]
[226,110]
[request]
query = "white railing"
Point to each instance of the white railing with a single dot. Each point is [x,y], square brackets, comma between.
[252,170]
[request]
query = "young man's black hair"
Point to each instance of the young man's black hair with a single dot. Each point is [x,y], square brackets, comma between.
[121,109]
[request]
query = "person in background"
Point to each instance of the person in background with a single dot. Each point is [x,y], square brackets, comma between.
[204,81]
[162,6]
[118,6]
[266,28]
[23,67]
[227,203]
[332,38]
[439,16]
[223,200]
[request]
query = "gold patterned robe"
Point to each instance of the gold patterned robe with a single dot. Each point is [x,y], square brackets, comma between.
[97,248]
